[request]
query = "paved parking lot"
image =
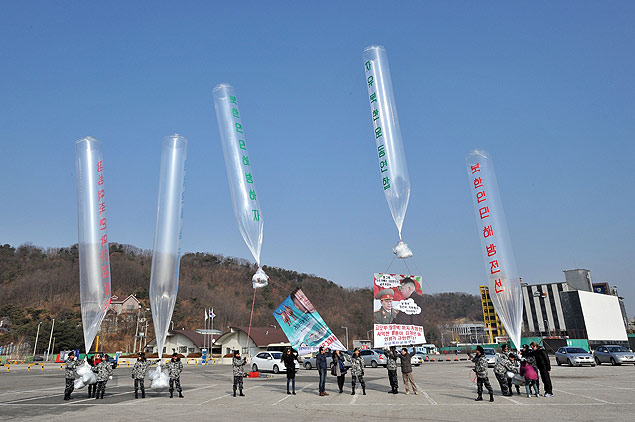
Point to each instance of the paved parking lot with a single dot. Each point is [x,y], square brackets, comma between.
[447,394]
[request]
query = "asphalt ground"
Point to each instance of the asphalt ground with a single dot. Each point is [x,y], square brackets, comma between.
[446,393]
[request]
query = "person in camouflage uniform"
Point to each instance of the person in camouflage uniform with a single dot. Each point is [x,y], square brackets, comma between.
[104,371]
[501,367]
[70,373]
[480,367]
[357,371]
[139,371]
[175,367]
[391,365]
[238,369]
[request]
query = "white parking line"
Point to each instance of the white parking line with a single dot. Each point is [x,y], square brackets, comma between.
[513,401]
[30,391]
[583,396]
[227,395]
[430,399]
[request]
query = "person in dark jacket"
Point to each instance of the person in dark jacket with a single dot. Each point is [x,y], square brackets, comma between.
[391,364]
[339,369]
[70,373]
[175,367]
[320,362]
[93,362]
[238,370]
[526,353]
[289,358]
[544,366]
[480,367]
[406,369]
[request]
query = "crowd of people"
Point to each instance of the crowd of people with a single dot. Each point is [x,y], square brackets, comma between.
[510,369]
[514,370]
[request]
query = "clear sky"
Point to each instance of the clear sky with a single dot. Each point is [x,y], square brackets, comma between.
[546,87]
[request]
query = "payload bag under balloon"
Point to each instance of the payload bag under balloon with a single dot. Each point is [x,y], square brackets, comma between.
[500,265]
[242,184]
[166,254]
[94,259]
[393,168]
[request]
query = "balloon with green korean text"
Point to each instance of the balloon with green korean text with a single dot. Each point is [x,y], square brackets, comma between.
[393,168]
[242,183]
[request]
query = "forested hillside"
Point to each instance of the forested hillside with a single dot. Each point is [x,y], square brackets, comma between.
[38,285]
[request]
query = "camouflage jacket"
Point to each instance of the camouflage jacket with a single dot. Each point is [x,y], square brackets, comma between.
[480,366]
[104,370]
[238,366]
[503,364]
[357,366]
[71,367]
[140,368]
[391,359]
[175,367]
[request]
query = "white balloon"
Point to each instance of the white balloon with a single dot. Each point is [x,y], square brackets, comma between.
[242,184]
[393,168]
[500,265]
[166,254]
[94,258]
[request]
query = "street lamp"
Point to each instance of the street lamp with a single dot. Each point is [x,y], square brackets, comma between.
[48,350]
[346,328]
[36,337]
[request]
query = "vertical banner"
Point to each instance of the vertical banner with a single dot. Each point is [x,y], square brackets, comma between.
[94,259]
[398,310]
[500,266]
[303,326]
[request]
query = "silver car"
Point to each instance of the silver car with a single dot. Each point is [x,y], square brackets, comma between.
[373,358]
[613,354]
[490,355]
[574,356]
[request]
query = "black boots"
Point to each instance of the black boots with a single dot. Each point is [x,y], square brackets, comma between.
[352,391]
[180,394]
[143,394]
[364,390]
[491,397]
[171,393]
[288,392]
[136,395]
[234,392]
[479,398]
[241,393]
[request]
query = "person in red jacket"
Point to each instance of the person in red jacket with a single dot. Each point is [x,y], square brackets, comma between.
[531,377]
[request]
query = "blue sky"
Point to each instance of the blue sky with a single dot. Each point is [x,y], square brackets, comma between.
[546,87]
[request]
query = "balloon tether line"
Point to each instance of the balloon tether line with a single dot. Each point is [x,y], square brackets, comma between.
[393,260]
[250,317]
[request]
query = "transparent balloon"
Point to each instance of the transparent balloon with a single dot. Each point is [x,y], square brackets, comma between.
[160,378]
[500,265]
[242,184]
[166,254]
[94,259]
[393,168]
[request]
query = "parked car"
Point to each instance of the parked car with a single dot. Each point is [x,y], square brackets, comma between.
[613,354]
[38,359]
[416,360]
[574,356]
[310,362]
[490,355]
[373,357]
[269,361]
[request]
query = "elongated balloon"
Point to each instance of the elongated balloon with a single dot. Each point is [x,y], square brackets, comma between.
[500,266]
[242,184]
[94,259]
[166,254]
[392,159]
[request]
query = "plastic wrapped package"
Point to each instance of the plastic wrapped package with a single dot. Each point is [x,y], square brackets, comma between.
[166,253]
[160,378]
[500,266]
[86,376]
[94,259]
[402,250]
[393,168]
[240,176]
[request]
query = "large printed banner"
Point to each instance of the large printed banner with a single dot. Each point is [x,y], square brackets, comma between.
[303,326]
[398,310]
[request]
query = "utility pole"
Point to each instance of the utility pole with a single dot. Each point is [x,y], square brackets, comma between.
[36,337]
[346,328]
[48,351]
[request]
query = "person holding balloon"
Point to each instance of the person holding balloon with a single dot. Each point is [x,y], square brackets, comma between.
[70,373]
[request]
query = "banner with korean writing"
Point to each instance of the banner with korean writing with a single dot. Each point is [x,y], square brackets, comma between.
[94,259]
[500,265]
[397,310]
[303,325]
